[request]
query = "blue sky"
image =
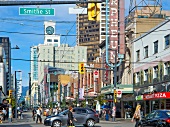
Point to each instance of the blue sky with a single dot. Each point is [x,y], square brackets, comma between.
[11,21]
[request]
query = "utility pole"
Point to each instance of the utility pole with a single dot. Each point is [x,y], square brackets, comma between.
[16,100]
[30,87]
[114,88]
[78,89]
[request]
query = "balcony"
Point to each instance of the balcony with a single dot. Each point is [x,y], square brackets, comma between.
[155,80]
[166,78]
[146,82]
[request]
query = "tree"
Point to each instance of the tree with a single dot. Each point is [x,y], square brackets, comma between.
[101,99]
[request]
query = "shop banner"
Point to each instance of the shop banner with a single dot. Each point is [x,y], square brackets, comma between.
[159,95]
[140,97]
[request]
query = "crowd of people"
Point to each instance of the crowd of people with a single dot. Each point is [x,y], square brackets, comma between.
[39,112]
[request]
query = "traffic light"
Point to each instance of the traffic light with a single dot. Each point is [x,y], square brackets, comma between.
[94,11]
[81,68]
[10,93]
[0,88]
[115,94]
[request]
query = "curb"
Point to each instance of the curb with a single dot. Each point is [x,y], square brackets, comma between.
[110,122]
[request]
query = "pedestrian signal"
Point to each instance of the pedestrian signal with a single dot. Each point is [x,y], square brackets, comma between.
[81,68]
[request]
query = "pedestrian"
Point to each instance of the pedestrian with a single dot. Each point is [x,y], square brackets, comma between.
[39,113]
[33,114]
[4,113]
[107,114]
[1,116]
[70,117]
[137,115]
[50,112]
[56,111]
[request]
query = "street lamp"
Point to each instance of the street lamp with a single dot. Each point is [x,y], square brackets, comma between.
[16,47]
[16,99]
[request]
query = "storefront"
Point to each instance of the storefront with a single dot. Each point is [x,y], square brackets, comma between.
[159,100]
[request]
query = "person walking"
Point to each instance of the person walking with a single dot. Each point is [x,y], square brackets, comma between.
[33,114]
[70,117]
[56,111]
[39,113]
[137,115]
[4,113]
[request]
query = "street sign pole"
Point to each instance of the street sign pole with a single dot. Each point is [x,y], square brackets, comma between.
[114,82]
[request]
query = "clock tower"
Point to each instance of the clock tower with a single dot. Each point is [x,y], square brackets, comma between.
[50,37]
[49,28]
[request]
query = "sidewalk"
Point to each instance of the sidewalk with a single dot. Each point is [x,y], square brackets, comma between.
[118,120]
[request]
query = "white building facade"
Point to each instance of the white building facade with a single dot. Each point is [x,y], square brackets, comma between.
[151,67]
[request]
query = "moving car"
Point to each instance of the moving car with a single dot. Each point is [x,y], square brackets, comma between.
[84,116]
[157,118]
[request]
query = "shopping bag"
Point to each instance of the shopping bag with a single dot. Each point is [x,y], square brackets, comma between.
[71,125]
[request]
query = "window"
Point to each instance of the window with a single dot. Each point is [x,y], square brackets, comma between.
[151,115]
[155,47]
[83,111]
[138,55]
[167,41]
[138,77]
[49,40]
[146,75]
[146,51]
[156,72]
[167,69]
[55,40]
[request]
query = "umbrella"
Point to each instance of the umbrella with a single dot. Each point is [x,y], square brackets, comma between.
[105,106]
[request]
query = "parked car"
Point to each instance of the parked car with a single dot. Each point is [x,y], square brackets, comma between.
[157,118]
[84,116]
[25,110]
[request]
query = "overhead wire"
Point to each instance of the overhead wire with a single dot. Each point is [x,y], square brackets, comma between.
[12,32]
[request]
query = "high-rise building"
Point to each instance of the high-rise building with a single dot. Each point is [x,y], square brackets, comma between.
[5,42]
[34,76]
[88,34]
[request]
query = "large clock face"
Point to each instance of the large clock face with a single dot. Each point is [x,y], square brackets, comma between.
[50,30]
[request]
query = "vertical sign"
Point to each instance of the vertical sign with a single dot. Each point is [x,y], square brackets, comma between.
[105,73]
[113,29]
[122,26]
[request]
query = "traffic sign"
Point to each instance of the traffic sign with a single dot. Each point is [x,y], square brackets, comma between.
[119,93]
[96,74]
[37,11]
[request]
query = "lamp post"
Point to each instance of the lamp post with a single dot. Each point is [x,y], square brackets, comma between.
[16,98]
[30,88]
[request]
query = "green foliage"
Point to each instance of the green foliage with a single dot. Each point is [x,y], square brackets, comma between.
[63,105]
[13,103]
[101,99]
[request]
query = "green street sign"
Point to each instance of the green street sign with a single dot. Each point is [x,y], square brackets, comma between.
[37,11]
